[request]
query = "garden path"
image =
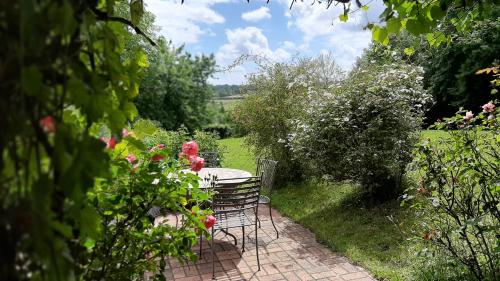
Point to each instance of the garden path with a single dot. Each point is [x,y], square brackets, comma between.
[295,255]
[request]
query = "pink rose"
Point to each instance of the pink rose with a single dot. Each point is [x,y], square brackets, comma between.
[196,163]
[489,107]
[110,142]
[468,116]
[48,124]
[131,158]
[190,148]
[210,221]
[126,133]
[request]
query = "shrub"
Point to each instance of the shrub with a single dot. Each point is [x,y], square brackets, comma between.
[125,244]
[365,132]
[153,135]
[459,192]
[275,96]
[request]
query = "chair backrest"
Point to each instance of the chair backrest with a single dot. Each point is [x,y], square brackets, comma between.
[211,159]
[267,169]
[236,197]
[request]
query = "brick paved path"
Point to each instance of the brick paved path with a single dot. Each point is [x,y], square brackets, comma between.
[295,255]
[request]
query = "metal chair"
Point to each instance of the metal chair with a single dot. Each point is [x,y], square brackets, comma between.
[231,204]
[211,159]
[267,169]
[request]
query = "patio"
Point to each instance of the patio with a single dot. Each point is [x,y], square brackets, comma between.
[295,255]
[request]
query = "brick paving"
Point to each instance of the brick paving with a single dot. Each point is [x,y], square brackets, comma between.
[295,255]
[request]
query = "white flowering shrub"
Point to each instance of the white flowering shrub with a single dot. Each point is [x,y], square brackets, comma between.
[366,130]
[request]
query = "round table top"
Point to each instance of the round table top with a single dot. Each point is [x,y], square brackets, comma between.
[221,173]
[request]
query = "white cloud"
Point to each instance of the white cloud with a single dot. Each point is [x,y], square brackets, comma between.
[257,15]
[321,25]
[246,41]
[184,23]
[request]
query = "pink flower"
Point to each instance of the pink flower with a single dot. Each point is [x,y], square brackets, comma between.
[489,107]
[126,133]
[131,158]
[48,124]
[110,142]
[190,148]
[196,163]
[157,157]
[468,116]
[210,221]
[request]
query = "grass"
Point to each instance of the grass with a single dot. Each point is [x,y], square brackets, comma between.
[341,221]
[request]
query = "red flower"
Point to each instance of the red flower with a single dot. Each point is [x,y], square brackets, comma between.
[210,221]
[190,148]
[126,133]
[157,157]
[131,158]
[196,163]
[110,142]
[48,124]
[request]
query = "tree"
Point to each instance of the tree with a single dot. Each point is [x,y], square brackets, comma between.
[175,90]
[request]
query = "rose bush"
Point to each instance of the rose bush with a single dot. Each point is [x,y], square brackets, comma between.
[459,192]
[126,243]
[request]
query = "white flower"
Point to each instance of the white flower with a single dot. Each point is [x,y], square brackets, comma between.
[156,181]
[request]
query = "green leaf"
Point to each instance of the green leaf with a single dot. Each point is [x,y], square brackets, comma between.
[409,51]
[89,243]
[31,80]
[344,17]
[136,11]
[393,25]
[142,59]
[415,27]
[379,34]
[437,13]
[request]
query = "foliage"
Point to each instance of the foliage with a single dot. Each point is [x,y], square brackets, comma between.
[69,209]
[450,70]
[129,243]
[420,17]
[173,140]
[175,91]
[276,95]
[366,131]
[459,192]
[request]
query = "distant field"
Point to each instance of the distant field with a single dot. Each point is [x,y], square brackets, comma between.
[228,103]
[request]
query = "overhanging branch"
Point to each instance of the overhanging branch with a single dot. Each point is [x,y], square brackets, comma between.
[106,17]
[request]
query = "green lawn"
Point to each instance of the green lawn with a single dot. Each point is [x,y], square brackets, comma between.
[339,220]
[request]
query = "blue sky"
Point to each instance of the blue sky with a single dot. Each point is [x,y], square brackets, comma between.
[231,28]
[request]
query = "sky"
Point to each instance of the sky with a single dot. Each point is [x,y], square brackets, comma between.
[232,28]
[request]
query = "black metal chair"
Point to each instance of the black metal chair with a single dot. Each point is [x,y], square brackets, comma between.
[267,169]
[236,205]
[211,159]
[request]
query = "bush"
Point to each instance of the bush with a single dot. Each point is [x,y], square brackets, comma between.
[153,135]
[365,132]
[460,192]
[125,244]
[275,96]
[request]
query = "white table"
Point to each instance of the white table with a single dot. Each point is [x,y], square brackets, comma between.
[221,173]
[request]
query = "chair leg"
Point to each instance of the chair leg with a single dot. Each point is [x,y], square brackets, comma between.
[257,246]
[213,255]
[201,243]
[272,221]
[243,244]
